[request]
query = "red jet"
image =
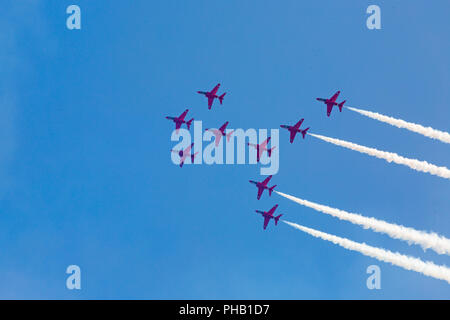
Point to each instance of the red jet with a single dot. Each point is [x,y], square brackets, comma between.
[269,215]
[332,102]
[180,120]
[219,133]
[213,95]
[263,186]
[185,153]
[294,129]
[260,148]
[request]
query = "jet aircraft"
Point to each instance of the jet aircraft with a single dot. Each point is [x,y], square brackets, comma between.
[269,215]
[332,102]
[211,95]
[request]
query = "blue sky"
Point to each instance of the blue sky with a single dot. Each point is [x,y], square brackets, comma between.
[86,175]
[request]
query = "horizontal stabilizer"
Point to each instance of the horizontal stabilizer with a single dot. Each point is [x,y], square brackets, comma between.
[221,97]
[304,132]
[271,189]
[189,123]
[340,105]
[277,218]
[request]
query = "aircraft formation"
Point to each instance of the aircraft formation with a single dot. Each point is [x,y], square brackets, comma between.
[439,244]
[260,148]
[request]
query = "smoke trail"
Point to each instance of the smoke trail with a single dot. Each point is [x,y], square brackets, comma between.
[426,131]
[414,164]
[427,268]
[427,240]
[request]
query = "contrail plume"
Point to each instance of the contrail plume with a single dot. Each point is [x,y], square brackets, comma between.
[427,268]
[414,164]
[425,131]
[426,240]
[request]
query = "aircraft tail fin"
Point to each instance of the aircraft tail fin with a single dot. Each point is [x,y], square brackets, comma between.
[229,135]
[277,218]
[304,132]
[221,97]
[189,123]
[193,157]
[340,105]
[271,190]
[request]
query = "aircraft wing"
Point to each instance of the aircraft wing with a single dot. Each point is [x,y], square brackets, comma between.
[181,117]
[210,102]
[266,222]
[271,211]
[260,151]
[298,124]
[188,149]
[214,91]
[182,159]
[291,138]
[177,125]
[223,127]
[335,96]
[329,108]
[264,144]
[260,191]
[266,181]
[218,136]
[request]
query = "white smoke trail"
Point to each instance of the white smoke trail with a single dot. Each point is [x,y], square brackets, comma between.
[427,240]
[414,164]
[427,268]
[426,131]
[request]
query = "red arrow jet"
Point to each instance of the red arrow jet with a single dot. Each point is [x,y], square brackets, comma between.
[180,120]
[294,129]
[219,133]
[263,186]
[211,95]
[332,102]
[260,148]
[269,215]
[185,153]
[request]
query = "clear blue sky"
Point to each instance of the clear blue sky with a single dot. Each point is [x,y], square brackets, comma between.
[85,169]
